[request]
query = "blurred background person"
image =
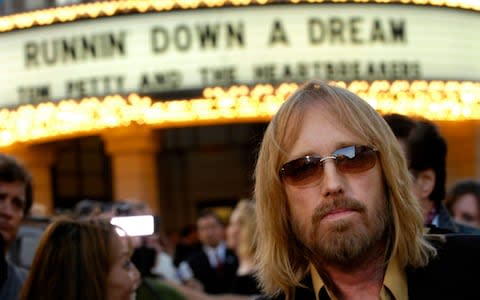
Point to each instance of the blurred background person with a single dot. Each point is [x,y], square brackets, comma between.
[153,285]
[16,199]
[241,238]
[187,244]
[149,256]
[213,268]
[82,260]
[426,152]
[86,209]
[463,202]
[163,265]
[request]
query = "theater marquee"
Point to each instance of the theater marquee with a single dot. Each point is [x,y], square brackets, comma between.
[192,49]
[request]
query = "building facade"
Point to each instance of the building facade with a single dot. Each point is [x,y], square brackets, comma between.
[165,102]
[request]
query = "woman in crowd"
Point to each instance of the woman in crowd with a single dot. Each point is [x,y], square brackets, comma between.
[463,202]
[241,238]
[82,260]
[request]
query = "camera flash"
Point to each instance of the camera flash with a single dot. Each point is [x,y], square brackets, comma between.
[135,225]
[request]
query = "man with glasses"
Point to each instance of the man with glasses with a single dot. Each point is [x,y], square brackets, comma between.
[336,215]
[426,152]
[15,202]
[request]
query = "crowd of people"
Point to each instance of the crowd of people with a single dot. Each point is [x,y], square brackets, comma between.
[347,204]
[85,256]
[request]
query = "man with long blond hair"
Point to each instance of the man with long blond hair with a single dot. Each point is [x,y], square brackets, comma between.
[336,217]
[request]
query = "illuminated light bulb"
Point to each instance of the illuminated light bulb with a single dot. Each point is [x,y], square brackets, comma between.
[92,10]
[109,9]
[142,6]
[439,100]
[240,2]
[163,5]
[452,3]
[188,4]
[423,2]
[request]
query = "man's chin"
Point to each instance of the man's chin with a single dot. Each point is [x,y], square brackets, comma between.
[337,227]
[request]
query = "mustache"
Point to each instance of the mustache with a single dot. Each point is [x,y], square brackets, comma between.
[329,206]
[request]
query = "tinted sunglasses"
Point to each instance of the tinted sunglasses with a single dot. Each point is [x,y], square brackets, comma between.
[349,160]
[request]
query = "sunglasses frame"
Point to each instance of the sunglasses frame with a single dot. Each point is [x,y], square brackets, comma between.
[339,155]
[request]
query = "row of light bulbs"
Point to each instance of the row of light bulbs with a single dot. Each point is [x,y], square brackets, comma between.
[110,8]
[435,100]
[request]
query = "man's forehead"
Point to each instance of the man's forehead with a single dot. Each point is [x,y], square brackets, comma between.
[208,219]
[14,187]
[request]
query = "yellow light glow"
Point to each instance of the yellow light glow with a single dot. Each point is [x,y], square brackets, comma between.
[111,8]
[435,100]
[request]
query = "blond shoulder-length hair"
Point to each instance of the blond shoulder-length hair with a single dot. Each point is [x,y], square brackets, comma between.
[248,242]
[281,262]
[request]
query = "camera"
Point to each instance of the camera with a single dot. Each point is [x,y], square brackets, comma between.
[137,225]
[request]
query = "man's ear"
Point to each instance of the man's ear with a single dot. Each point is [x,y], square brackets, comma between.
[425,181]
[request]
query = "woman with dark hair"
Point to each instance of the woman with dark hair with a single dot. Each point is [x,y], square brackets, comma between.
[79,260]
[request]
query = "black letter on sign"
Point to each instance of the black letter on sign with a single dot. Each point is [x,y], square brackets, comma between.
[159,39]
[316,36]
[278,34]
[31,54]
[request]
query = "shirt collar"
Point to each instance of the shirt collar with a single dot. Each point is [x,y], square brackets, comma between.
[318,283]
[220,249]
[394,282]
[217,254]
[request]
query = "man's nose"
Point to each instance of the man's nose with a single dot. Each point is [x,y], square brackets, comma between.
[332,179]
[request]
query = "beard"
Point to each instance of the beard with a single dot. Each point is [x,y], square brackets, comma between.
[343,242]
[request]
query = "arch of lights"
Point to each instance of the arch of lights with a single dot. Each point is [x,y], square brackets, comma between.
[436,100]
[110,8]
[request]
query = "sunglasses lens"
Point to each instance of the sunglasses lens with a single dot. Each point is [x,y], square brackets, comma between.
[301,171]
[351,159]
[363,159]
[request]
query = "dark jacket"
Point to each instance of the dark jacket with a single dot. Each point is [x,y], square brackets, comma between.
[215,281]
[3,262]
[13,283]
[445,221]
[450,276]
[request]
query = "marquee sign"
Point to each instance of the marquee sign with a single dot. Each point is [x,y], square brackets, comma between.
[183,50]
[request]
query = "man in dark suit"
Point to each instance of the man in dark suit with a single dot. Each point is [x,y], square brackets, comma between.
[188,242]
[336,215]
[214,266]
